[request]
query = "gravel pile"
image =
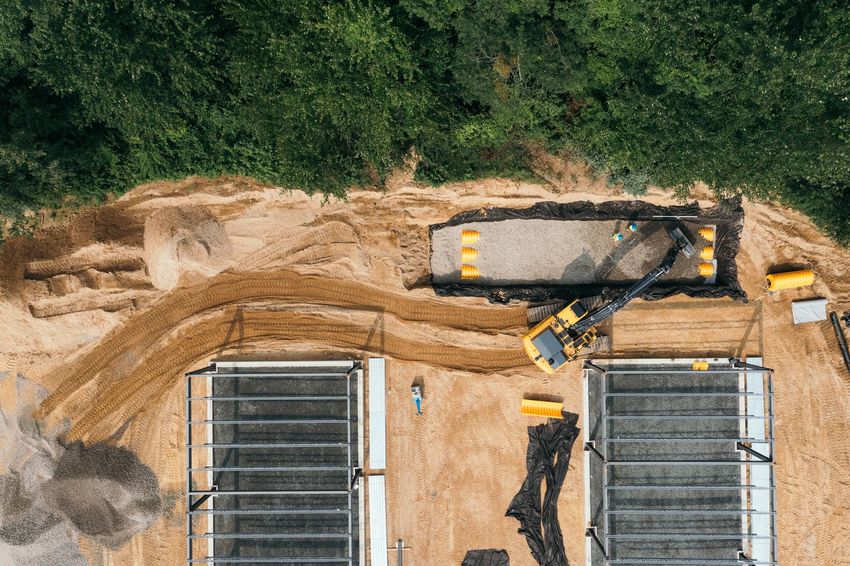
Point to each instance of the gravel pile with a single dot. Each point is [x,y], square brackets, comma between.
[105,491]
[50,493]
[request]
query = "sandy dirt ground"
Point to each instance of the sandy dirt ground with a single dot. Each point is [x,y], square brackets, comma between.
[281,274]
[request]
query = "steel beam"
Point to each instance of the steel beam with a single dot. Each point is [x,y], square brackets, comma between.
[269,421]
[269,560]
[680,561]
[201,371]
[281,536]
[604,400]
[731,512]
[589,447]
[269,512]
[270,375]
[734,487]
[269,469]
[688,463]
[271,445]
[755,453]
[591,532]
[740,364]
[683,417]
[249,493]
[247,398]
[188,432]
[589,364]
[651,372]
[689,440]
[690,536]
[690,394]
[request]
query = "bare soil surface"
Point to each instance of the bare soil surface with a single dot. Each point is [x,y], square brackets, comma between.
[310,278]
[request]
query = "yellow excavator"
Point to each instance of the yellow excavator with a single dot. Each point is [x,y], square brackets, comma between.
[565,335]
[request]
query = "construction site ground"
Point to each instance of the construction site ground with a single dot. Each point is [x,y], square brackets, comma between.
[104,316]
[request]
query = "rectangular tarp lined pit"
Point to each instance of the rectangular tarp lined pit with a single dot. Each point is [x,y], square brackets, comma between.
[564,250]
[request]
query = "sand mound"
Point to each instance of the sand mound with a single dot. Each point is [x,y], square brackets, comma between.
[184,240]
[105,491]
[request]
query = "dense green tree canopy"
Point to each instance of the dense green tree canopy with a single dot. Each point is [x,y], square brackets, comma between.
[98,95]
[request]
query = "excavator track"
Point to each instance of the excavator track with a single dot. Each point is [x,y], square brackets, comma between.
[545,310]
[602,345]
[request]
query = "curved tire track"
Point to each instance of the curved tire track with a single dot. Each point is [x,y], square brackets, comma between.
[208,335]
[143,330]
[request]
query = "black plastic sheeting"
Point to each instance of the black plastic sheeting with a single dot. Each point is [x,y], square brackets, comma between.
[548,458]
[728,216]
[490,557]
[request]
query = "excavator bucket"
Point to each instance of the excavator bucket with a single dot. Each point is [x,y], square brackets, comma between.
[681,241]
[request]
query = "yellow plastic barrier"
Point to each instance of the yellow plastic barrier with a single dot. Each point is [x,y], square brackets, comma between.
[790,280]
[699,365]
[706,270]
[468,255]
[707,253]
[469,272]
[707,233]
[542,408]
[469,237]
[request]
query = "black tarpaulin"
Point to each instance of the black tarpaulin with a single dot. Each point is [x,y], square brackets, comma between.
[548,458]
[728,216]
[489,557]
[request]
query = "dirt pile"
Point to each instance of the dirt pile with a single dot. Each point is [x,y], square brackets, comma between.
[184,240]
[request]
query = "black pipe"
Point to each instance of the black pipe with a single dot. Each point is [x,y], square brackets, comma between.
[842,341]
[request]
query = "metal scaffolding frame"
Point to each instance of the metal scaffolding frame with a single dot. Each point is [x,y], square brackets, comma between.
[195,497]
[753,451]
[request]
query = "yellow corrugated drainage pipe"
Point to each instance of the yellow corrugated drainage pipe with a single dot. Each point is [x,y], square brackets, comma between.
[469,272]
[790,280]
[542,408]
[699,365]
[468,255]
[706,269]
[469,237]
[707,233]
[707,253]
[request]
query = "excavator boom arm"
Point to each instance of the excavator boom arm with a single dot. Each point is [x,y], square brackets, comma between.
[603,313]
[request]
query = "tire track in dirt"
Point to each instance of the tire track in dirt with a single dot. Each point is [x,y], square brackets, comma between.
[331,232]
[210,334]
[143,330]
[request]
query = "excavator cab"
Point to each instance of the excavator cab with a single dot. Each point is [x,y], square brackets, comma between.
[549,344]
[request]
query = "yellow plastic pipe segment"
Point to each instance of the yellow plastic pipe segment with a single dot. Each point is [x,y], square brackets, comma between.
[790,279]
[707,233]
[468,255]
[469,237]
[469,272]
[542,408]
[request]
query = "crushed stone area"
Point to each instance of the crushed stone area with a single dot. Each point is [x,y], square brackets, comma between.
[50,493]
[568,252]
